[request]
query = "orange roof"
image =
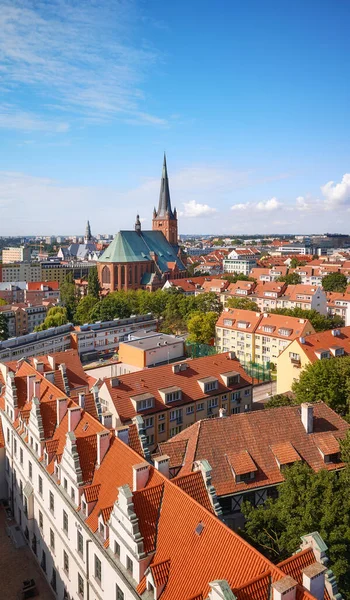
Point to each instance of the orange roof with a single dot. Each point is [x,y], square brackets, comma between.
[263,287]
[294,291]
[147,502]
[36,285]
[259,433]
[325,340]
[294,565]
[193,484]
[220,284]
[150,381]
[328,444]
[237,316]
[285,453]
[286,328]
[257,589]
[241,462]
[160,572]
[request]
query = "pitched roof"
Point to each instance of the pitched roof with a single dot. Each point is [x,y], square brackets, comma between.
[193,484]
[150,381]
[237,316]
[263,434]
[324,341]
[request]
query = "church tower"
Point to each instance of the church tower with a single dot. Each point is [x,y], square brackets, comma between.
[165,219]
[88,236]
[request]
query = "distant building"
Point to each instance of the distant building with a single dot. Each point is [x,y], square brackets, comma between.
[15,255]
[241,260]
[144,259]
[148,349]
[22,318]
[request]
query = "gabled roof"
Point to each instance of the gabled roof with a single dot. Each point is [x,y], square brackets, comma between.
[262,434]
[325,340]
[193,484]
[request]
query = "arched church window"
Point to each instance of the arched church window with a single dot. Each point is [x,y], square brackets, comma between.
[106,276]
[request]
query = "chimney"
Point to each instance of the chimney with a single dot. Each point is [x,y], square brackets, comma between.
[123,434]
[74,416]
[61,404]
[335,332]
[102,445]
[52,362]
[284,589]
[39,366]
[81,400]
[161,463]
[37,388]
[140,474]
[30,387]
[232,355]
[50,376]
[314,580]
[107,420]
[114,382]
[307,416]
[222,412]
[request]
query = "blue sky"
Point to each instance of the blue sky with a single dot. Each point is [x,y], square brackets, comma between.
[250,100]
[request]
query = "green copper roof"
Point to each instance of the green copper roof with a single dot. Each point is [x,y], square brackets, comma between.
[131,246]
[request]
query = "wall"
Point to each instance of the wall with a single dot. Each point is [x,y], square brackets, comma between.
[287,372]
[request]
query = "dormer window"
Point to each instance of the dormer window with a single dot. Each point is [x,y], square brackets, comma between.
[142,401]
[268,328]
[285,332]
[337,350]
[243,466]
[171,394]
[242,324]
[227,322]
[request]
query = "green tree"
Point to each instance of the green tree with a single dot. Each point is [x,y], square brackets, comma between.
[69,297]
[94,287]
[201,327]
[335,282]
[306,502]
[237,277]
[191,269]
[4,333]
[243,303]
[2,302]
[290,278]
[318,321]
[84,309]
[327,380]
[294,263]
[279,400]
[208,302]
[56,316]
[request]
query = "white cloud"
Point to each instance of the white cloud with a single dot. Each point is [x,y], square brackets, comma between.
[14,118]
[77,57]
[241,206]
[195,209]
[337,194]
[269,205]
[301,203]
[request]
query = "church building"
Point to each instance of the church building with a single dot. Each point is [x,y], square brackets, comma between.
[145,259]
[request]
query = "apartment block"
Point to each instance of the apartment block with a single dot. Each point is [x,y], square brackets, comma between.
[304,351]
[241,260]
[25,271]
[172,397]
[15,255]
[257,337]
[148,349]
[22,318]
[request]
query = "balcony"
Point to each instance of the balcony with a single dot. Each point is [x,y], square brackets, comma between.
[295,362]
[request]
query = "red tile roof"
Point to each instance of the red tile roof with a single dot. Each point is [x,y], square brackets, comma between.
[295,565]
[147,502]
[160,572]
[256,432]
[193,484]
[325,340]
[152,380]
[285,453]
[241,462]
[258,589]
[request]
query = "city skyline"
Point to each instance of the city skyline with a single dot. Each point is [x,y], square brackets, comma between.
[254,120]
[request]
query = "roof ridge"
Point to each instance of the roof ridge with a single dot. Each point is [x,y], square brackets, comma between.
[294,557]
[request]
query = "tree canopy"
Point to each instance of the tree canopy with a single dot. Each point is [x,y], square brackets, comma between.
[68,296]
[327,380]
[2,302]
[57,315]
[94,287]
[279,400]
[335,282]
[3,328]
[236,277]
[318,321]
[243,303]
[290,278]
[201,327]
[306,502]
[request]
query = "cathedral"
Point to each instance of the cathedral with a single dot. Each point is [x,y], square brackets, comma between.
[145,259]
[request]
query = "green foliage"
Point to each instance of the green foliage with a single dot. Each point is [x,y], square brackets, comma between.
[294,263]
[201,327]
[327,380]
[84,309]
[94,287]
[2,302]
[318,321]
[335,282]
[191,269]
[57,315]
[306,502]
[279,400]
[237,277]
[243,303]
[290,278]
[69,296]
[3,328]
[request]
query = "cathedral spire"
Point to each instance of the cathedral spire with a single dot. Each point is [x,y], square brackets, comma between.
[88,236]
[164,206]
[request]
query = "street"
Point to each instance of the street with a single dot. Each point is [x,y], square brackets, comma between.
[262,392]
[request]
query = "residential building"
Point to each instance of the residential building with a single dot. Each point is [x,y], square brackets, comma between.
[188,287]
[338,304]
[42,290]
[55,339]
[172,397]
[104,523]
[241,260]
[246,454]
[304,351]
[148,349]
[257,337]
[21,272]
[15,255]
[267,273]
[13,291]
[145,259]
[22,318]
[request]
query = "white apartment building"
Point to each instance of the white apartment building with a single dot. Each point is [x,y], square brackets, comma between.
[14,255]
[241,260]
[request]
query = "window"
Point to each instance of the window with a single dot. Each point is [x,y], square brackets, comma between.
[212,403]
[98,572]
[65,484]
[149,422]
[227,322]
[200,406]
[40,485]
[80,586]
[161,427]
[8,435]
[52,502]
[80,543]
[129,564]
[189,410]
[117,549]
[176,415]
[161,417]
[43,561]
[173,396]
[21,456]
[52,540]
[210,386]
[72,494]
[41,520]
[65,562]
[150,439]
[83,507]
[144,404]
[15,446]
[65,522]
[247,392]
[175,430]
[233,380]
[119,593]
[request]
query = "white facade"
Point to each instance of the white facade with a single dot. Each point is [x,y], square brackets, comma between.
[13,254]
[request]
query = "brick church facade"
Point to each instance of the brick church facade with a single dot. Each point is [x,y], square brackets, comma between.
[145,259]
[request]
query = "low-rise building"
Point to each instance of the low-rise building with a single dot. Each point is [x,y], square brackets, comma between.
[267,273]
[246,453]
[172,397]
[241,260]
[257,337]
[338,303]
[22,318]
[304,351]
[149,349]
